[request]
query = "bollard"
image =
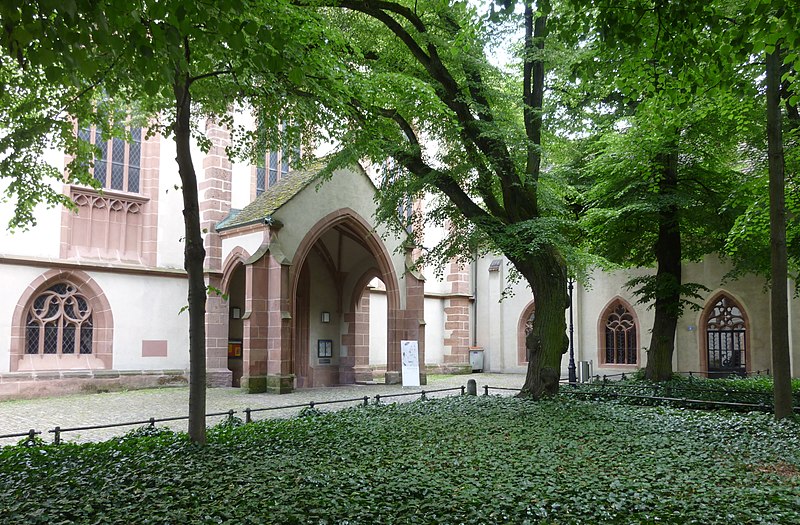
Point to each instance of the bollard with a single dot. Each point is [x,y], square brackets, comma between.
[472,388]
[57,436]
[247,416]
[486,390]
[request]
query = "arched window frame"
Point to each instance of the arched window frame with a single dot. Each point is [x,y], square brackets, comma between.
[101,356]
[707,314]
[602,326]
[59,321]
[523,328]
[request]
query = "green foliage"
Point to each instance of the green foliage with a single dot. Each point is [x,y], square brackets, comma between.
[445,461]
[755,390]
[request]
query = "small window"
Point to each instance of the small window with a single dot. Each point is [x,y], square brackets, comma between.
[619,338]
[271,166]
[59,322]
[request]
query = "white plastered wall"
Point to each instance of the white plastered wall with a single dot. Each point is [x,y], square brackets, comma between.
[135,321]
[498,321]
[241,172]
[250,242]
[377,328]
[434,330]
[171,229]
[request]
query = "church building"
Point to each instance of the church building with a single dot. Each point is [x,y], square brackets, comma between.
[312,292]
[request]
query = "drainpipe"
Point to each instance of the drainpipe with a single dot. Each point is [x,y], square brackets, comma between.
[475,299]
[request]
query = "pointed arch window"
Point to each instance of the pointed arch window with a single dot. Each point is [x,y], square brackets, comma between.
[619,339]
[726,337]
[59,321]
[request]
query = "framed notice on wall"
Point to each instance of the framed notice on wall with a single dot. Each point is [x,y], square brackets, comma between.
[324,348]
[235,349]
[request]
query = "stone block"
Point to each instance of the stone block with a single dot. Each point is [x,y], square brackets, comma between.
[280,384]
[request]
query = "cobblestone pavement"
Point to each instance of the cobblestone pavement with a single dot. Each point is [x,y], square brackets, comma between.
[140,405]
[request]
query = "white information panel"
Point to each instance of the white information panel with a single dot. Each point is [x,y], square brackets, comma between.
[409,351]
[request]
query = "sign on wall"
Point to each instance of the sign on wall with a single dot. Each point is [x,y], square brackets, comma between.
[409,353]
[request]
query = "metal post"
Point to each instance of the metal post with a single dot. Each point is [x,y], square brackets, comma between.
[366,401]
[462,390]
[486,390]
[57,436]
[572,376]
[247,416]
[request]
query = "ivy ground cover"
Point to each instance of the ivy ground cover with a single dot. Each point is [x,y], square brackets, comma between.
[459,460]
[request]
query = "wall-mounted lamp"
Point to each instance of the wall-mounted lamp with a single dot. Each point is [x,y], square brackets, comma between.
[236,312]
[326,317]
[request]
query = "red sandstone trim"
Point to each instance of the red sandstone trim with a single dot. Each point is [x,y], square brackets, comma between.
[103,333]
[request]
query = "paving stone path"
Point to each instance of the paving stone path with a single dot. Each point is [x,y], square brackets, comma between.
[140,405]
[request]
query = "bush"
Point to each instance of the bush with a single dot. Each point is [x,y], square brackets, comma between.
[751,393]
[458,460]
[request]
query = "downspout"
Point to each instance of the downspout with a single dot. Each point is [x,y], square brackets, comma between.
[475,300]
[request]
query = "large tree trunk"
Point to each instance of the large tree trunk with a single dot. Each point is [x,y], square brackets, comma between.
[547,342]
[668,275]
[777,228]
[194,257]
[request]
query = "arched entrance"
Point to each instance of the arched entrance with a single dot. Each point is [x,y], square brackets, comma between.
[524,328]
[332,268]
[236,295]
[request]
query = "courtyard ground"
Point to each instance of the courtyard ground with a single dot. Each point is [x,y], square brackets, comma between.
[116,407]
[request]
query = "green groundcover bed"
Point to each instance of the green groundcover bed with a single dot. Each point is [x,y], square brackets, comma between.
[458,460]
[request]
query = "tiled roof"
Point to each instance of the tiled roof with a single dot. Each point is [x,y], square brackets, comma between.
[272,199]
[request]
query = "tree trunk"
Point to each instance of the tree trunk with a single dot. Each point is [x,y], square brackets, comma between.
[547,342]
[668,274]
[194,257]
[777,228]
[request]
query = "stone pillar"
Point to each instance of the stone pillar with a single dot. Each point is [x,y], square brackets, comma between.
[215,202]
[408,324]
[217,372]
[280,379]
[354,368]
[254,327]
[414,315]
[457,320]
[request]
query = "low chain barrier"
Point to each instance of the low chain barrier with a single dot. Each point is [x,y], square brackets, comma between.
[600,389]
[57,432]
